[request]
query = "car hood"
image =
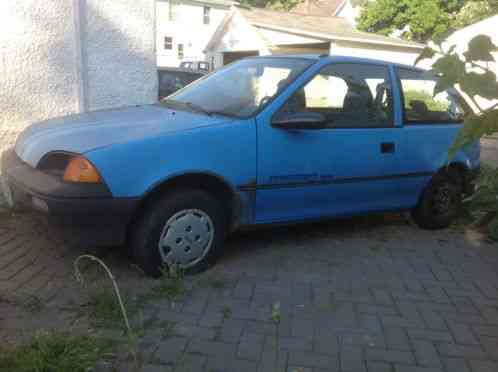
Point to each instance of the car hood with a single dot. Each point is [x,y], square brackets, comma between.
[81,133]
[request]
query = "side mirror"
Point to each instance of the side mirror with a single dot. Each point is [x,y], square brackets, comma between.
[300,120]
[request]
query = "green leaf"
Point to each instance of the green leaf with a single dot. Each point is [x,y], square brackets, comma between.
[444,82]
[451,49]
[475,127]
[442,34]
[450,69]
[480,48]
[427,53]
[483,85]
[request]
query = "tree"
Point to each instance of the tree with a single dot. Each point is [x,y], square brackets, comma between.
[471,73]
[474,11]
[423,20]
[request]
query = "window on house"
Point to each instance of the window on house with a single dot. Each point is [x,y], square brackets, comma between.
[180,51]
[348,95]
[168,43]
[173,8]
[207,11]
[421,105]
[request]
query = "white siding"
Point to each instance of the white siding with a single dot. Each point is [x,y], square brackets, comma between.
[274,37]
[187,28]
[385,52]
[238,36]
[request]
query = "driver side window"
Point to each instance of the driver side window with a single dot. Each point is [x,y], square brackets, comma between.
[348,95]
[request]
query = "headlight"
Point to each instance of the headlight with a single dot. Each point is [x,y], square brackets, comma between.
[80,169]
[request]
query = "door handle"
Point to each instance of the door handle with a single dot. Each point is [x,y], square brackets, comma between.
[387,147]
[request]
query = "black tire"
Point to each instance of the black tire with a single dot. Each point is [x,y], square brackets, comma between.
[144,243]
[440,202]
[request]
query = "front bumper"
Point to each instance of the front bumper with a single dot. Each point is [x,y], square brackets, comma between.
[88,212]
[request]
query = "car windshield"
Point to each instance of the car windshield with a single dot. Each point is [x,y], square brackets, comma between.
[241,88]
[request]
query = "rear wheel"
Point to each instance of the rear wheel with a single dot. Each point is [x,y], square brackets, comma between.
[186,228]
[440,203]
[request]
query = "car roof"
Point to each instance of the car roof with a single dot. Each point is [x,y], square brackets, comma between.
[342,59]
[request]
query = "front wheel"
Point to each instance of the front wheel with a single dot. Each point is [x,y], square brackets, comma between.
[186,228]
[440,203]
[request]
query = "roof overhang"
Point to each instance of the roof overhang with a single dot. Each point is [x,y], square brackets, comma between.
[330,37]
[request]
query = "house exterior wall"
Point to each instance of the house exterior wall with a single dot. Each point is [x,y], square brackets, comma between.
[187,28]
[238,35]
[37,64]
[118,41]
[66,56]
[462,37]
[279,38]
[385,52]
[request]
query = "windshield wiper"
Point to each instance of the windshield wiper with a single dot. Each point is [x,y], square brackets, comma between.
[198,108]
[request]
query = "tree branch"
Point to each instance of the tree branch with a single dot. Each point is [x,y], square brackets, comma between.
[485,69]
[475,103]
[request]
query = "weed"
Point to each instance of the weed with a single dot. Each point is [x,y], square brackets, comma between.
[218,282]
[54,352]
[168,329]
[171,284]
[104,306]
[132,336]
[375,248]
[227,312]
[275,313]
[6,214]
[276,317]
[33,304]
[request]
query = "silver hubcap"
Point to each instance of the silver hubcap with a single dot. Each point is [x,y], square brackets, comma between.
[186,238]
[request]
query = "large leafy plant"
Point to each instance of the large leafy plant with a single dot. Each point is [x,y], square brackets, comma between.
[472,74]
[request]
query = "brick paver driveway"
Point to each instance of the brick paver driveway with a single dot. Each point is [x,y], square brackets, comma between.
[355,295]
[374,295]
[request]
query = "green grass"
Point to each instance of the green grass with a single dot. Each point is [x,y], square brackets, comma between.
[171,285]
[432,104]
[227,312]
[104,307]
[54,352]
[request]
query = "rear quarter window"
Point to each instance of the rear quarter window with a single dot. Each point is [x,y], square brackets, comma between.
[422,106]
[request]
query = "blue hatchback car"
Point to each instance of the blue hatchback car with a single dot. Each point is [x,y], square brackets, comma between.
[265,140]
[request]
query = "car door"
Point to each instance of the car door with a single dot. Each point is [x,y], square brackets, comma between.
[352,165]
[430,125]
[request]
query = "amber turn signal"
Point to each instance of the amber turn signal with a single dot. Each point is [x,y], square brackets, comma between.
[80,169]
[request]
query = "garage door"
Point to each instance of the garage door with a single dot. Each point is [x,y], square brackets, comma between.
[229,57]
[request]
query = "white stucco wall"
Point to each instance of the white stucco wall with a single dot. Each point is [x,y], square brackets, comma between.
[67,56]
[49,66]
[119,43]
[187,28]
[37,63]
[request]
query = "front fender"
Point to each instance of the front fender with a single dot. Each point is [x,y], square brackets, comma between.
[228,150]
